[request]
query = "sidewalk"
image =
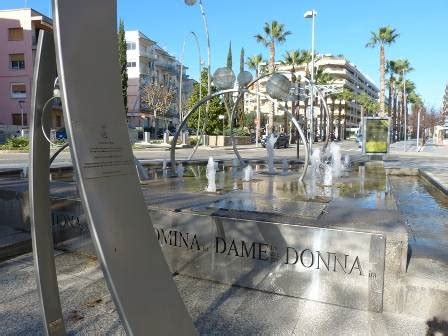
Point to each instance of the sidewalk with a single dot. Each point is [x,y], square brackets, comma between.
[431,161]
[215,308]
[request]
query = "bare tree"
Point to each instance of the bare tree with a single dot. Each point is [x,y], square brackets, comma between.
[158,99]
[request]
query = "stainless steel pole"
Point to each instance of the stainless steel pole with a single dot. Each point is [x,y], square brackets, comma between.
[418,128]
[312,81]
[209,78]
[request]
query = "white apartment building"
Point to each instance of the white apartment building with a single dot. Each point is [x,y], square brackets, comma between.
[344,74]
[149,63]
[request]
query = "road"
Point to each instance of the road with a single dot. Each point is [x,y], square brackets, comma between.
[10,160]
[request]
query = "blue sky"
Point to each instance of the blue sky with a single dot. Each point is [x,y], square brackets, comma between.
[342,27]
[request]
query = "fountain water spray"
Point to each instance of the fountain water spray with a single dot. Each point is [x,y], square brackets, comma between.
[235,164]
[316,161]
[211,175]
[247,173]
[180,170]
[347,162]
[315,172]
[336,165]
[164,171]
[328,175]
[270,143]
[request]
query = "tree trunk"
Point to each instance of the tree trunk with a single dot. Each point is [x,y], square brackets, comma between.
[331,121]
[305,118]
[382,63]
[258,119]
[339,121]
[399,119]
[404,113]
[272,68]
[391,90]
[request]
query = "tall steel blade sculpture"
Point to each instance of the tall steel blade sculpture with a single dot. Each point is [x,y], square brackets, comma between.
[133,264]
[44,76]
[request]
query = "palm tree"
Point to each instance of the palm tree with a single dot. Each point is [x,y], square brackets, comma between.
[291,58]
[343,96]
[384,36]
[274,33]
[402,68]
[322,78]
[253,63]
[369,105]
[408,88]
[304,59]
[391,69]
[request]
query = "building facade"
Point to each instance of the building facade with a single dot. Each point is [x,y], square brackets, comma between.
[19,31]
[149,64]
[344,75]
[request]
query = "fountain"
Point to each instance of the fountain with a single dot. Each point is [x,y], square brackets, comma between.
[270,144]
[247,173]
[347,162]
[336,165]
[180,170]
[316,160]
[325,249]
[211,175]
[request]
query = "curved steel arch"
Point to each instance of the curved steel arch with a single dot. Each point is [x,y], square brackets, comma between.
[319,94]
[241,93]
[184,121]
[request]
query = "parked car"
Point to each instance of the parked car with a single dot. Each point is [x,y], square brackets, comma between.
[282,140]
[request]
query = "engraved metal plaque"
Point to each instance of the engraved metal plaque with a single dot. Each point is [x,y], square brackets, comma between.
[333,266]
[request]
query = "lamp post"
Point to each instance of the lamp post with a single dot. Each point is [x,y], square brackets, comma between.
[311,14]
[221,117]
[209,79]
[181,115]
[418,127]
[20,102]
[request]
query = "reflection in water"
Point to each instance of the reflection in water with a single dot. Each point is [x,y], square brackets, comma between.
[362,186]
[425,210]
[211,175]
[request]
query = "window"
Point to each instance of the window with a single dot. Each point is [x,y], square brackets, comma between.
[18,90]
[15,34]
[17,119]
[131,64]
[131,46]
[16,61]
[58,121]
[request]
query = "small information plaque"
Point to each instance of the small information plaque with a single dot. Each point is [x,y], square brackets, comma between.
[376,135]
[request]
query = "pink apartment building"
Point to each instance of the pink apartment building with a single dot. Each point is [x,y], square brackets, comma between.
[19,30]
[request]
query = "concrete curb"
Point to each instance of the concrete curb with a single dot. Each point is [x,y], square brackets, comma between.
[429,177]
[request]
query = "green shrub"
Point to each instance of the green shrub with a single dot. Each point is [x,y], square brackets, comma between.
[16,143]
[240,131]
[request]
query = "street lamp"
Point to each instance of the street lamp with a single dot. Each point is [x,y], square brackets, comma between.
[311,14]
[209,80]
[181,115]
